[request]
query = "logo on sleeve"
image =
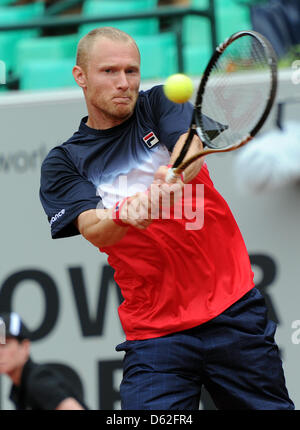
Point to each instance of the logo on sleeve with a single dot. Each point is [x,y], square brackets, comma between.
[57,216]
[150,139]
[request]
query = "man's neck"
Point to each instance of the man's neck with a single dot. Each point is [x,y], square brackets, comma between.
[103,124]
[16,375]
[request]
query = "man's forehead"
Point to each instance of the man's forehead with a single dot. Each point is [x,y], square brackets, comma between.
[10,339]
[104,46]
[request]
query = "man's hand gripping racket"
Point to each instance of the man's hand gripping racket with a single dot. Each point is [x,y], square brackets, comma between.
[237,90]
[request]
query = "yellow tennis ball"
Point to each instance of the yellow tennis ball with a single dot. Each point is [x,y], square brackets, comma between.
[178,88]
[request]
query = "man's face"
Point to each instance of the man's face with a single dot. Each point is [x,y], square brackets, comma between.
[112,79]
[13,354]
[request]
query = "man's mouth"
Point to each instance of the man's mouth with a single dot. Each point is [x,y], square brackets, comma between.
[122,99]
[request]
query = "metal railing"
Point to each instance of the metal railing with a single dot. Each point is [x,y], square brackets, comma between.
[173,13]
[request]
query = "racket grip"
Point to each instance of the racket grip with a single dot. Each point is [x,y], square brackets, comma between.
[172,175]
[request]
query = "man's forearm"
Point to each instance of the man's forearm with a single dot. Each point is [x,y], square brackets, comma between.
[98,227]
[195,147]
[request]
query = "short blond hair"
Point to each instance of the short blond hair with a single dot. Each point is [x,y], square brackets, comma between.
[86,42]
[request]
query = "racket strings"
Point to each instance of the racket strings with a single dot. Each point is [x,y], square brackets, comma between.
[237,90]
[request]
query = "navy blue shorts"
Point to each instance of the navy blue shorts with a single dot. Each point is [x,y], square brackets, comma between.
[234,356]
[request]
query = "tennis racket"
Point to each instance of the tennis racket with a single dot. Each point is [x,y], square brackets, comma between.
[237,90]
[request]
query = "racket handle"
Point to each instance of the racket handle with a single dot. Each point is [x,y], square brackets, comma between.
[173,174]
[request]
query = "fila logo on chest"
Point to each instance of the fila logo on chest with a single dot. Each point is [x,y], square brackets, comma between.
[150,139]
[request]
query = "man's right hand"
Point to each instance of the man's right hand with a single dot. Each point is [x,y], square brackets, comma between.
[143,208]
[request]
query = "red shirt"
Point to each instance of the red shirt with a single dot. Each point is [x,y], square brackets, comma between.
[172,277]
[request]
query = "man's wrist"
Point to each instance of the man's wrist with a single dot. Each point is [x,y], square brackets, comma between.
[116,213]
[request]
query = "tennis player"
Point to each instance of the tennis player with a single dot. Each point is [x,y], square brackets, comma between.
[191,313]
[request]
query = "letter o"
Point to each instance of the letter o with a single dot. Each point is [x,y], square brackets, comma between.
[49,290]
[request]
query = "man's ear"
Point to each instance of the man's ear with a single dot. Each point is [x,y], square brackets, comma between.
[79,76]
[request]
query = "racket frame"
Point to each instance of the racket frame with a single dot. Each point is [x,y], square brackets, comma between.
[197,126]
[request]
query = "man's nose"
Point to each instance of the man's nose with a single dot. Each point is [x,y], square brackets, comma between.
[123,81]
